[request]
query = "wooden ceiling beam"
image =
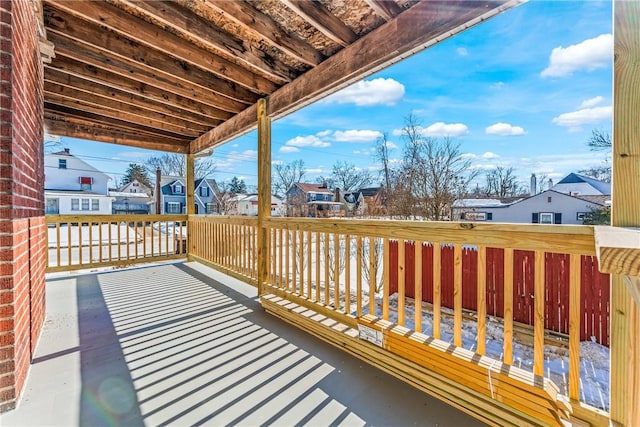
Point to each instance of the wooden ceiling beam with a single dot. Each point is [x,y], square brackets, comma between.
[74,98]
[319,17]
[54,108]
[170,113]
[251,19]
[74,35]
[155,38]
[428,23]
[387,9]
[60,127]
[105,77]
[215,39]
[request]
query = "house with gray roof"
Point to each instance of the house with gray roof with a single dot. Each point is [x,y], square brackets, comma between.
[174,197]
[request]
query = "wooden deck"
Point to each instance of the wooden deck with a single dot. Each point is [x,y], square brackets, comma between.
[182,344]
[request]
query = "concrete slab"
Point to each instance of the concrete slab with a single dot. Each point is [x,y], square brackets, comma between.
[182,344]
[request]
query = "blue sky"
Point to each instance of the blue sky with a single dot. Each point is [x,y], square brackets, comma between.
[524,89]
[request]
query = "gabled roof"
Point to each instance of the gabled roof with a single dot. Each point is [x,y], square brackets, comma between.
[486,202]
[575,178]
[313,188]
[167,181]
[87,168]
[370,191]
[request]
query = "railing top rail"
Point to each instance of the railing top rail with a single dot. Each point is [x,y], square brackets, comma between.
[577,239]
[113,218]
[226,219]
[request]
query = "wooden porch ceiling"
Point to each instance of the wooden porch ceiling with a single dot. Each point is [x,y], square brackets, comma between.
[185,75]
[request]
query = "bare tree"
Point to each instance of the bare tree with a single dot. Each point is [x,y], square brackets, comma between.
[175,164]
[285,175]
[348,178]
[435,171]
[599,140]
[502,182]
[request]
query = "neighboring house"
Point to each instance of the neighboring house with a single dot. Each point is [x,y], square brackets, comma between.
[131,198]
[247,204]
[316,200]
[73,186]
[173,196]
[374,201]
[548,207]
[580,185]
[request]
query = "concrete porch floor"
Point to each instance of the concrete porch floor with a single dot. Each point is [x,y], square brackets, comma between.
[182,344]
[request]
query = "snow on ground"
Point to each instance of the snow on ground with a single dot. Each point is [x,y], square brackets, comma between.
[123,237]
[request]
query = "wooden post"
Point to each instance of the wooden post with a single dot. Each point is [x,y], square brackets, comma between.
[190,201]
[625,314]
[264,191]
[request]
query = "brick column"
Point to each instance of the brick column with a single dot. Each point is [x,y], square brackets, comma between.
[22,225]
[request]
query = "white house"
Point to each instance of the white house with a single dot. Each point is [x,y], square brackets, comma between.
[248,205]
[73,186]
[548,207]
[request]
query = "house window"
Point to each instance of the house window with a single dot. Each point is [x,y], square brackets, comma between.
[62,163]
[580,216]
[85,204]
[549,199]
[546,218]
[211,207]
[204,191]
[173,207]
[85,182]
[95,204]
[178,189]
[75,204]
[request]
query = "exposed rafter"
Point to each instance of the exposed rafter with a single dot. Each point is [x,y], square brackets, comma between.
[318,16]
[388,9]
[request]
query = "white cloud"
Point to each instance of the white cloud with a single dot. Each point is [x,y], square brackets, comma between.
[246,155]
[131,155]
[490,155]
[314,170]
[307,141]
[439,129]
[586,55]
[354,135]
[324,133]
[592,102]
[445,129]
[504,129]
[497,85]
[583,117]
[391,145]
[378,91]
[462,51]
[288,149]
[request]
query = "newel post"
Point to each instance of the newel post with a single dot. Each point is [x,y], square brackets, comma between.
[264,191]
[625,313]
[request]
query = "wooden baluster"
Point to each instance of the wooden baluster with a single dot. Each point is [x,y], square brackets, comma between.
[437,299]
[99,244]
[326,269]
[151,237]
[508,306]
[274,252]
[385,280]
[80,260]
[309,262]
[457,295]
[538,320]
[287,260]
[166,235]
[297,263]
[336,272]
[58,263]
[359,276]
[373,275]
[401,281]
[91,242]
[127,237]
[347,274]
[418,286]
[135,237]
[574,326]
[280,257]
[69,244]
[317,236]
[482,299]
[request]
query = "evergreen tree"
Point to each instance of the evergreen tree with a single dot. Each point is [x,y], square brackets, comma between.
[137,172]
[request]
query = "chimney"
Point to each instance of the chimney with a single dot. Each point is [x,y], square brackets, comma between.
[550,184]
[66,150]
[532,187]
[158,199]
[337,195]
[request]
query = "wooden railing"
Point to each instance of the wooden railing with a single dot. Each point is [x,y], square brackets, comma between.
[228,243]
[87,241]
[341,268]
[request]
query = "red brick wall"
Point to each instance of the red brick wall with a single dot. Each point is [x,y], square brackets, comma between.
[22,227]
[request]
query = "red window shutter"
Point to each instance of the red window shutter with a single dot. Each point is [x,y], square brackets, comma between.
[86,180]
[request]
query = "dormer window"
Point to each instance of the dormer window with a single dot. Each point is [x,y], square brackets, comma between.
[62,163]
[177,189]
